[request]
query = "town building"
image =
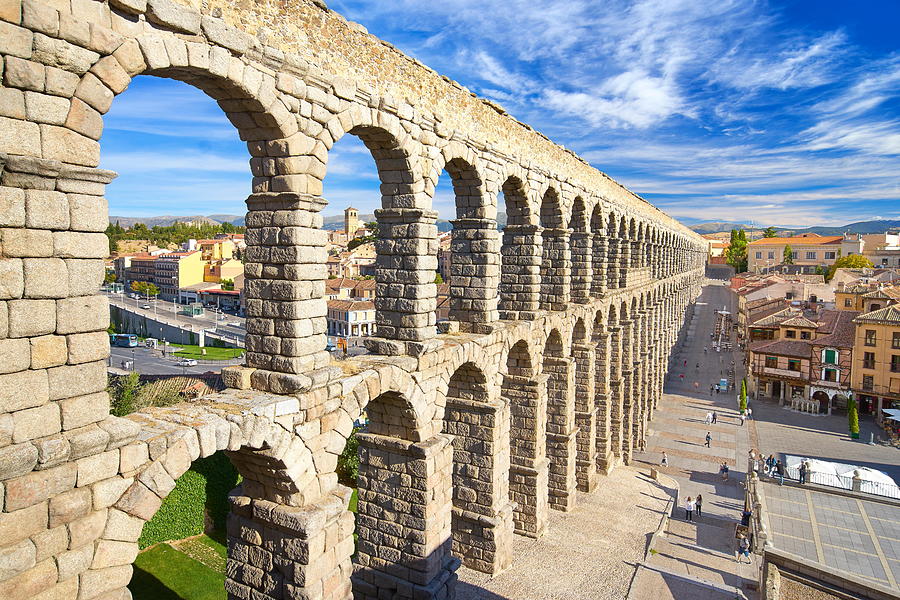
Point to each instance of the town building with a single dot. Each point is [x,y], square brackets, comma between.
[809,251]
[351,318]
[802,358]
[176,270]
[876,364]
[344,288]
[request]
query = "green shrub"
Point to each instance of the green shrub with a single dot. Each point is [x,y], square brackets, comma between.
[200,497]
[853,416]
[123,391]
[348,461]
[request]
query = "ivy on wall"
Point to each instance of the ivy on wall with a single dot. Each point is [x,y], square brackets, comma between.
[199,502]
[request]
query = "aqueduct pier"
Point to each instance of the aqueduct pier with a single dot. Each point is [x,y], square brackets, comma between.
[544,379]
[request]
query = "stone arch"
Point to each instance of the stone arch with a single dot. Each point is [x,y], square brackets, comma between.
[554,253]
[482,514]
[599,249]
[520,261]
[614,246]
[525,391]
[581,243]
[558,368]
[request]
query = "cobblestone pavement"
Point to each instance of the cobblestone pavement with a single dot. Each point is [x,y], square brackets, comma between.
[697,560]
[589,554]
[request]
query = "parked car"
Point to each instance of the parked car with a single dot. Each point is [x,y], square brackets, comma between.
[187,362]
[235,324]
[146,306]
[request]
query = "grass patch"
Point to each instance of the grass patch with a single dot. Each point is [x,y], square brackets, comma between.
[204,550]
[354,500]
[212,352]
[164,573]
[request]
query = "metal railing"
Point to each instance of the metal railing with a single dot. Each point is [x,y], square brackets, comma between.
[844,482]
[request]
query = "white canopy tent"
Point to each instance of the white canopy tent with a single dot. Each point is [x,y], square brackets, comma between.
[892,413]
[840,475]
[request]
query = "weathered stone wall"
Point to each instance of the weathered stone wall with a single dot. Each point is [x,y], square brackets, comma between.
[456,457]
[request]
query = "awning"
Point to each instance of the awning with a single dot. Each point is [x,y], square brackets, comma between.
[892,413]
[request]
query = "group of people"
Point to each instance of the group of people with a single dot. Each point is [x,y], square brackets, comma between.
[692,504]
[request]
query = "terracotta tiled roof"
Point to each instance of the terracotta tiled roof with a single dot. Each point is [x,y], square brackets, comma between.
[799,241]
[791,348]
[887,315]
[799,321]
[776,317]
[351,305]
[842,331]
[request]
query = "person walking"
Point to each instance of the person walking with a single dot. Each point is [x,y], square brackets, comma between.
[724,470]
[742,419]
[803,470]
[770,465]
[708,418]
[744,549]
[711,390]
[779,471]
[699,504]
[715,417]
[708,439]
[689,509]
[749,413]
[665,460]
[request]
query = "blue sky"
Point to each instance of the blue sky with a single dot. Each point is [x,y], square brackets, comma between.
[785,113]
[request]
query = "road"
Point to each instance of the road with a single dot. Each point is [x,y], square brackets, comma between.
[168,312]
[151,362]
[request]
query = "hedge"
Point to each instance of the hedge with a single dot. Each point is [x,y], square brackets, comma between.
[201,491]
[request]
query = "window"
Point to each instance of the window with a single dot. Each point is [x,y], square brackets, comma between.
[771,255]
[848,303]
[868,382]
[811,256]
[830,375]
[875,306]
[895,342]
[895,363]
[830,357]
[830,256]
[793,364]
[758,255]
[869,360]
[772,362]
[795,254]
[870,337]
[804,335]
[790,333]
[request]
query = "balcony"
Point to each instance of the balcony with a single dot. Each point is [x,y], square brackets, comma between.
[790,374]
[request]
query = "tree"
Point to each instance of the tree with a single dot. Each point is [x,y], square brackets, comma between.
[788,255]
[145,287]
[227,284]
[742,404]
[123,391]
[110,277]
[769,232]
[853,417]
[438,280]
[736,255]
[854,261]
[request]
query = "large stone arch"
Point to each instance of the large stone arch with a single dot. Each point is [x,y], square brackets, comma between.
[520,277]
[555,270]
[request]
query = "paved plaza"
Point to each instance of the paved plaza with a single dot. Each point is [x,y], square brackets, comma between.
[841,532]
[593,551]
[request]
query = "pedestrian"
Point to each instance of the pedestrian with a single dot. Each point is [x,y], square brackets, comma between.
[711,390]
[715,417]
[742,419]
[689,509]
[779,471]
[718,388]
[699,504]
[725,471]
[708,439]
[665,460]
[744,549]
[749,413]
[770,465]
[698,366]
[803,468]
[708,418]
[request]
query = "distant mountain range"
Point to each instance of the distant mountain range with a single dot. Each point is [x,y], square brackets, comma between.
[863,227]
[169,220]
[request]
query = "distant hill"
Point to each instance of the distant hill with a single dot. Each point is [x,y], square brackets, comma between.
[162,221]
[864,227]
[714,227]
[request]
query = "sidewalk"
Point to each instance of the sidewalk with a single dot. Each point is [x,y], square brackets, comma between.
[698,560]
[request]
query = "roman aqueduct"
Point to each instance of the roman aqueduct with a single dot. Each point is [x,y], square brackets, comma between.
[543,380]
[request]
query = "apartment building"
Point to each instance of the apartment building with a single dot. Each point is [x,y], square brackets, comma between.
[351,318]
[808,251]
[176,270]
[876,364]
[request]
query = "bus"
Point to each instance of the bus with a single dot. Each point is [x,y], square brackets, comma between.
[125,340]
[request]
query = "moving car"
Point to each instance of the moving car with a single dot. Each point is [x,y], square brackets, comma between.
[146,306]
[187,362]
